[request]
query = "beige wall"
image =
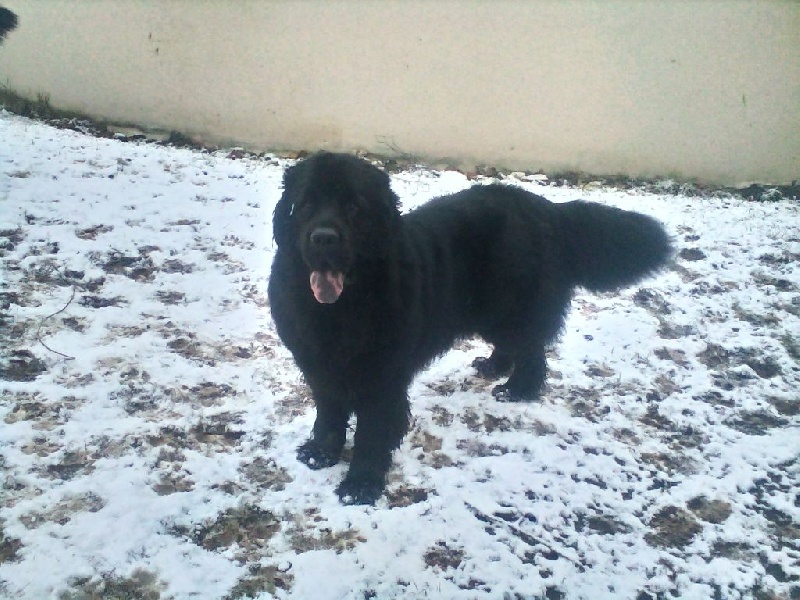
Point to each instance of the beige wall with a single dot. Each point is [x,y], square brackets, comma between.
[703,89]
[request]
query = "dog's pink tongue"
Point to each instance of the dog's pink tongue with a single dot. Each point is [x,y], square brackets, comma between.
[327,286]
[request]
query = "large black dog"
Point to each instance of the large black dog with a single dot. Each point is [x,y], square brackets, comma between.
[364,298]
[8,22]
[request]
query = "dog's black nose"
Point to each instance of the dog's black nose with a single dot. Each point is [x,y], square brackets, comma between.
[324,237]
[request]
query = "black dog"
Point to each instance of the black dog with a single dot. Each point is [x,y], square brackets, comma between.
[8,22]
[364,298]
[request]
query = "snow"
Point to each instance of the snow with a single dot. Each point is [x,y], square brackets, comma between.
[150,415]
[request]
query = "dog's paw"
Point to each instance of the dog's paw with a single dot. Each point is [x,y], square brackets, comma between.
[502,393]
[315,456]
[360,490]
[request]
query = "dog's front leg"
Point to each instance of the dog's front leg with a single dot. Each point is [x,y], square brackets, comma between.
[380,428]
[324,447]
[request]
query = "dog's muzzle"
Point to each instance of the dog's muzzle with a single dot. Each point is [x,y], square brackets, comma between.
[324,254]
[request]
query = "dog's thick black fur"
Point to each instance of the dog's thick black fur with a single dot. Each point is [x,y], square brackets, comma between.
[8,22]
[364,298]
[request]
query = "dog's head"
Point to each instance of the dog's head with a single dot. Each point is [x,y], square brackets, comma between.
[336,211]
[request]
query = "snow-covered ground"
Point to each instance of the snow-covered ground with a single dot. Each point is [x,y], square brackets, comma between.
[149,415]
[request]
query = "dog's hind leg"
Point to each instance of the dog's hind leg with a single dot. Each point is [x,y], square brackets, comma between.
[527,380]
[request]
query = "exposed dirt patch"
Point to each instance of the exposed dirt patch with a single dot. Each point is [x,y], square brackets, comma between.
[141,585]
[787,407]
[72,464]
[691,254]
[266,474]
[139,268]
[9,547]
[91,233]
[93,301]
[443,557]
[757,422]
[675,355]
[485,422]
[172,483]
[218,430]
[245,530]
[652,301]
[602,524]
[308,532]
[21,365]
[171,298]
[404,496]
[711,511]
[779,283]
[63,511]
[10,239]
[673,527]
[428,447]
[260,580]
[45,414]
[478,448]
[177,266]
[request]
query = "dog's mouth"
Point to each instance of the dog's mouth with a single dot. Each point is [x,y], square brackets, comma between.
[325,250]
[327,286]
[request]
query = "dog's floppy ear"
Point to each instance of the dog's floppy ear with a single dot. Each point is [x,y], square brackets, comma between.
[378,185]
[389,198]
[282,216]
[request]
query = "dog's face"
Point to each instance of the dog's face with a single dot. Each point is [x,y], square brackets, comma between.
[335,212]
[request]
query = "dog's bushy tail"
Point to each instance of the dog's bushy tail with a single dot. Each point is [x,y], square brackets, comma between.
[8,21]
[608,248]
